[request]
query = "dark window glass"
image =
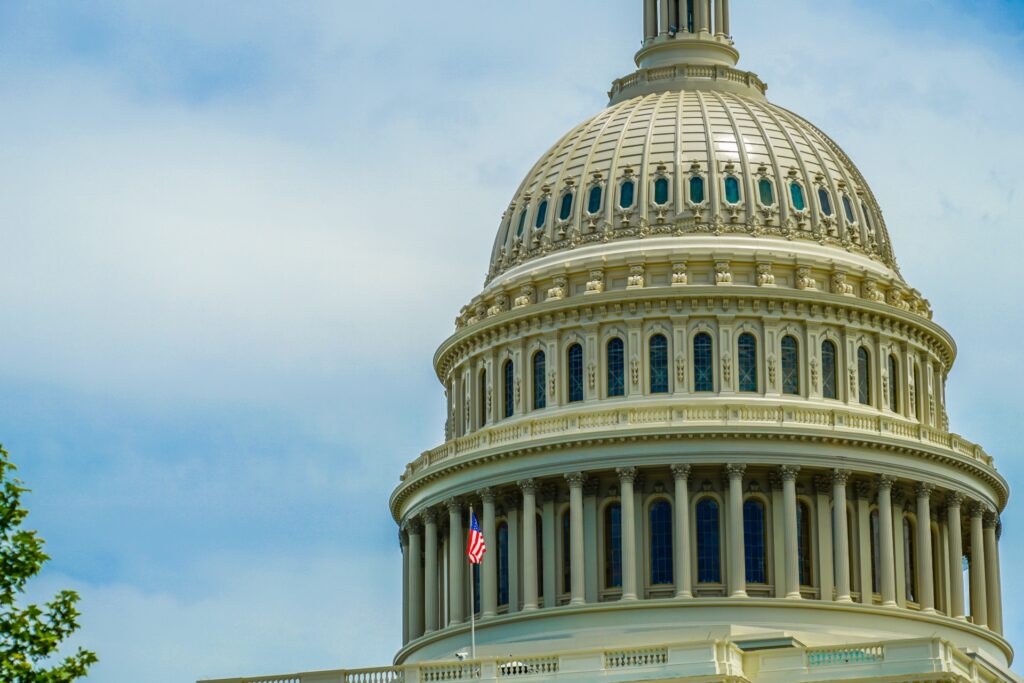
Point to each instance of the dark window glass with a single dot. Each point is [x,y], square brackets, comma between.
[767,192]
[697,190]
[661,191]
[566,209]
[876,586]
[797,191]
[732,190]
[475,568]
[747,362]
[540,397]
[910,559]
[709,560]
[803,525]
[661,543]
[503,564]
[690,27]
[616,368]
[595,200]
[566,553]
[848,209]
[894,384]
[509,403]
[542,215]
[830,381]
[703,363]
[627,194]
[790,366]
[613,546]
[915,407]
[540,556]
[867,216]
[659,364]
[483,397]
[825,199]
[522,223]
[754,541]
[864,376]
[575,358]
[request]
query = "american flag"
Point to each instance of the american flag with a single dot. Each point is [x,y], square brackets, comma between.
[476,547]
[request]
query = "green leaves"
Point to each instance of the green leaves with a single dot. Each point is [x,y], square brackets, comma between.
[30,636]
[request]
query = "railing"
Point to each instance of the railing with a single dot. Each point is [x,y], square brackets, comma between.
[464,671]
[845,656]
[382,675]
[530,666]
[628,659]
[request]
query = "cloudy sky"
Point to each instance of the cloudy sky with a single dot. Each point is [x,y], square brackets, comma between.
[234,233]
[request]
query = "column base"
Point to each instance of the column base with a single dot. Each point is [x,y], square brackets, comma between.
[794,596]
[628,597]
[739,594]
[530,608]
[576,602]
[684,595]
[845,599]
[891,603]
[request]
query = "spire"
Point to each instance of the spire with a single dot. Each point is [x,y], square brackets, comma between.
[686,32]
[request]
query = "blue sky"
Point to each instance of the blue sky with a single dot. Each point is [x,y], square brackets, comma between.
[234,234]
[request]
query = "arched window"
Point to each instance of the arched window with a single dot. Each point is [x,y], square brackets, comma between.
[790,366]
[918,389]
[627,194]
[829,375]
[803,547]
[661,191]
[747,362]
[766,191]
[542,215]
[754,541]
[659,364]
[566,553]
[509,403]
[864,376]
[595,200]
[910,558]
[732,190]
[616,368]
[661,543]
[697,189]
[867,217]
[825,199]
[575,363]
[522,222]
[709,558]
[566,210]
[540,397]
[848,208]
[703,363]
[796,191]
[876,563]
[894,384]
[503,564]
[613,546]
[483,398]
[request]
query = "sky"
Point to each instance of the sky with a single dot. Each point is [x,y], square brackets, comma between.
[235,233]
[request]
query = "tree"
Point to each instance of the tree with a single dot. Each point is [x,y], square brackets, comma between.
[30,636]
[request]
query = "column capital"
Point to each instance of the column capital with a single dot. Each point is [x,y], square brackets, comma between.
[403,538]
[487,495]
[510,502]
[735,471]
[789,472]
[454,506]
[954,499]
[591,487]
[681,472]
[977,509]
[429,516]
[774,481]
[899,495]
[412,526]
[862,489]
[576,480]
[627,475]
[990,520]
[548,493]
[528,486]
[823,484]
[840,477]
[885,482]
[924,489]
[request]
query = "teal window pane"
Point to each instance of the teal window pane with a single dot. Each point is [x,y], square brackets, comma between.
[709,559]
[659,364]
[864,376]
[595,200]
[767,192]
[661,191]
[661,543]
[754,541]
[894,384]
[613,546]
[542,215]
[703,370]
[825,199]
[616,368]
[503,574]
[848,209]
[867,216]
[830,379]
[697,190]
[627,194]
[509,397]
[540,399]
[797,191]
[566,210]
[566,553]
[748,362]
[803,525]
[522,223]
[732,190]
[790,366]
[575,358]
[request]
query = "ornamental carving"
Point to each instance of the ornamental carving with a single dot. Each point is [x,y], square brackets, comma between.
[560,290]
[815,385]
[885,482]
[840,477]
[735,472]
[499,307]
[771,370]
[679,277]
[872,292]
[519,393]
[592,376]
[636,278]
[765,277]
[727,368]
[552,383]
[681,371]
[576,480]
[723,274]
[526,297]
[681,472]
[804,279]
[595,284]
[627,475]
[841,286]
[634,367]
[789,472]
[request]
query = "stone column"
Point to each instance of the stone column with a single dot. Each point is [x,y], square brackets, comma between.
[684,576]
[415,536]
[627,475]
[403,542]
[979,594]
[701,19]
[489,569]
[886,543]
[737,557]
[789,474]
[826,573]
[993,580]
[577,571]
[954,501]
[726,28]
[456,564]
[842,535]
[663,24]
[925,571]
[591,540]
[863,509]
[719,18]
[529,487]
[549,567]
[430,578]
[650,19]
[514,573]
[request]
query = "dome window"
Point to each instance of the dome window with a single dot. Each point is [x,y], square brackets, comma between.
[616,368]
[767,192]
[867,216]
[595,200]
[848,209]
[522,223]
[575,363]
[627,194]
[748,362]
[697,190]
[796,190]
[825,200]
[703,359]
[732,190]
[566,210]
[661,191]
[542,215]
[659,364]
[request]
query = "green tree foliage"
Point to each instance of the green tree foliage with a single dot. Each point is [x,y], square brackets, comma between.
[30,636]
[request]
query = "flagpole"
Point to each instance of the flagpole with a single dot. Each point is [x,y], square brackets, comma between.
[472,599]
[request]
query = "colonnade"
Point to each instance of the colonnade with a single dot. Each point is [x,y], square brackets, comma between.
[665,17]
[436,595]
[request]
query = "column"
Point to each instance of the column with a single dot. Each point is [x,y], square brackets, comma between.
[430,578]
[719,18]
[415,580]
[956,555]
[684,576]
[489,569]
[650,19]
[886,545]
[789,474]
[577,571]
[863,491]
[778,508]
[925,572]
[549,575]
[663,24]
[842,535]
[737,558]
[899,551]
[590,540]
[979,595]
[826,574]
[627,475]
[702,20]
[403,542]
[529,488]
[726,28]
[456,564]
[514,573]
[992,578]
